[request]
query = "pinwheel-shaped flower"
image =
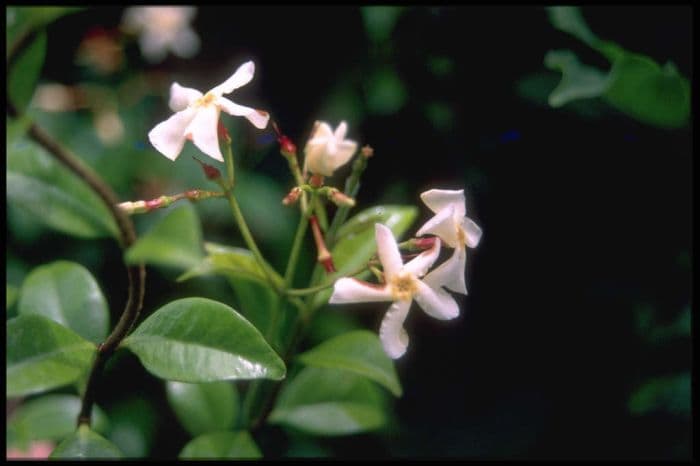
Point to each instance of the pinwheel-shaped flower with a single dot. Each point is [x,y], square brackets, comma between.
[401,285]
[197,116]
[327,150]
[162,29]
[456,230]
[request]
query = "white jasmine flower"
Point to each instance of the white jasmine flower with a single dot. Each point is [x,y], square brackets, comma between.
[456,230]
[327,150]
[163,29]
[198,115]
[401,285]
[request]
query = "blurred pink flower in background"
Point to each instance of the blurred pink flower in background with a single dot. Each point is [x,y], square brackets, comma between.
[162,29]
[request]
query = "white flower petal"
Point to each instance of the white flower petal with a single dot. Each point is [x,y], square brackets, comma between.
[182,97]
[436,302]
[391,332]
[185,44]
[259,118]
[321,133]
[343,153]
[442,225]
[472,232]
[243,75]
[203,131]
[341,131]
[388,251]
[438,199]
[168,137]
[420,264]
[352,290]
[450,273]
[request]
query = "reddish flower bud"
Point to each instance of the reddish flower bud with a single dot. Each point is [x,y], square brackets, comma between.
[293,196]
[424,243]
[287,147]
[223,132]
[212,173]
[154,204]
[367,151]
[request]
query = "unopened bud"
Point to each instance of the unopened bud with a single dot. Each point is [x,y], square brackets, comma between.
[424,243]
[316,181]
[367,151]
[212,173]
[287,147]
[340,199]
[293,196]
[136,207]
[223,132]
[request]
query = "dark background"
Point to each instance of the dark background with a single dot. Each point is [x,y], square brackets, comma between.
[585,219]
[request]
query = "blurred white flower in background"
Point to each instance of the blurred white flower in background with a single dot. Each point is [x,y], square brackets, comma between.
[162,29]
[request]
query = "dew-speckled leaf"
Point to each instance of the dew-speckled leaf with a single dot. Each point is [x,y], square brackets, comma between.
[67,293]
[359,352]
[330,402]
[24,72]
[199,340]
[85,443]
[41,186]
[203,407]
[221,445]
[52,417]
[356,241]
[42,355]
[175,241]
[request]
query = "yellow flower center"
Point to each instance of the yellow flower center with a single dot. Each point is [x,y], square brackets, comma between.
[206,99]
[403,287]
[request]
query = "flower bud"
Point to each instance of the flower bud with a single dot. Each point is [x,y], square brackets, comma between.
[212,173]
[293,196]
[340,199]
[367,151]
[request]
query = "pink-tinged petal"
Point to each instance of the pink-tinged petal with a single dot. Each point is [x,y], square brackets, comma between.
[450,273]
[438,199]
[243,75]
[182,97]
[388,251]
[436,303]
[442,225]
[420,264]
[352,290]
[313,159]
[259,118]
[391,332]
[203,131]
[320,133]
[343,153]
[341,131]
[168,137]
[472,232]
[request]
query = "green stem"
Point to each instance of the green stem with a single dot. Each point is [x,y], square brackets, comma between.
[296,248]
[352,186]
[228,156]
[320,211]
[315,289]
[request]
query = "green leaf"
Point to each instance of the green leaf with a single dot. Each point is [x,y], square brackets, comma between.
[11,293]
[385,92]
[221,445]
[24,72]
[669,393]
[42,355]
[329,402]
[20,20]
[359,352]
[175,241]
[380,21]
[38,184]
[646,91]
[133,426]
[578,81]
[204,407]
[356,242]
[85,443]
[199,340]
[67,293]
[52,417]
[570,20]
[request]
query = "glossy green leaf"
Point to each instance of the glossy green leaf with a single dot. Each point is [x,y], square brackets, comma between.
[203,407]
[329,402]
[199,340]
[133,426]
[578,81]
[42,355]
[67,293]
[175,241]
[52,417]
[359,352]
[648,92]
[221,445]
[356,242]
[24,72]
[670,394]
[11,293]
[43,187]
[85,443]
[569,19]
